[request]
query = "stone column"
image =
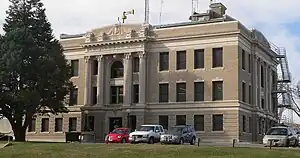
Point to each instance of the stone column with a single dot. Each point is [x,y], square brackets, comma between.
[100,81]
[142,78]
[88,81]
[127,79]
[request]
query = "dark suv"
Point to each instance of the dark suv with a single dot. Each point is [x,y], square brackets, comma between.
[179,134]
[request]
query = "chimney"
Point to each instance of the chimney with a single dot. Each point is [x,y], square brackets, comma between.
[218,8]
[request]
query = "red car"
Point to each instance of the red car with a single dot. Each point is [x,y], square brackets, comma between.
[118,135]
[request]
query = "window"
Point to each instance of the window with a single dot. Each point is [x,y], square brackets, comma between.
[249,63]
[217,57]
[164,61]
[218,122]
[136,64]
[217,90]
[132,122]
[262,103]
[116,94]
[244,92]
[199,91]
[164,121]
[243,59]
[75,67]
[45,125]
[163,92]
[73,97]
[91,123]
[95,67]
[250,125]
[94,95]
[180,92]
[262,80]
[58,124]
[31,126]
[117,70]
[180,119]
[135,93]
[199,122]
[199,59]
[250,94]
[72,124]
[181,60]
[244,123]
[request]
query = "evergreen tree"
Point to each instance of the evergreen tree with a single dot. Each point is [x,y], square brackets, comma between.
[34,74]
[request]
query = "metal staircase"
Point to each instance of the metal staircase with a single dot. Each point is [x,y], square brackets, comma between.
[283,90]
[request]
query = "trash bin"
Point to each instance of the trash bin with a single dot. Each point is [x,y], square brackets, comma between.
[72,136]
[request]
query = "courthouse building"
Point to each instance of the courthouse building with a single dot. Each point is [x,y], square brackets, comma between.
[210,72]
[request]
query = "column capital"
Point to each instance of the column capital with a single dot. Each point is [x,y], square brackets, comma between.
[87,58]
[100,58]
[142,55]
[127,56]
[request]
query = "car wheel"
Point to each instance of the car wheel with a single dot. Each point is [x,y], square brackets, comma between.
[181,141]
[193,141]
[123,140]
[296,143]
[151,140]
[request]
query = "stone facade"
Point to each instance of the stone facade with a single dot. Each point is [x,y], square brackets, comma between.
[244,116]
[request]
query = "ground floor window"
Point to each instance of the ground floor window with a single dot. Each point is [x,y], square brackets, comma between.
[72,124]
[180,119]
[217,122]
[58,124]
[164,121]
[45,125]
[199,122]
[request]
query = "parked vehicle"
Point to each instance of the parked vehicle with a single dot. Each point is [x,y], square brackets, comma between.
[146,134]
[179,135]
[281,136]
[118,135]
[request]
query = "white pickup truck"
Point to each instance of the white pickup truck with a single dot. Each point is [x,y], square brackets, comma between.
[147,134]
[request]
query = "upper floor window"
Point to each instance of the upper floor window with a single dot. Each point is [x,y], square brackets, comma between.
[136,64]
[249,63]
[244,92]
[181,60]
[199,59]
[117,69]
[164,61]
[217,57]
[75,67]
[243,60]
[73,97]
[116,94]
[95,67]
[199,91]
[181,92]
[163,92]
[262,76]
[217,90]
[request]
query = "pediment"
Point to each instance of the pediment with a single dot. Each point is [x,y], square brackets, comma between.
[116,32]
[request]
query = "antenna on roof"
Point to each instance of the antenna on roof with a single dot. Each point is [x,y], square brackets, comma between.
[146,12]
[161,7]
[195,4]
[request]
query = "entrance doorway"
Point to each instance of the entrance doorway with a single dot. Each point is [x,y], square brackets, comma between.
[115,122]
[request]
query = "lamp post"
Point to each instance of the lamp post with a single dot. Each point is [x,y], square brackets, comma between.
[86,120]
[128,118]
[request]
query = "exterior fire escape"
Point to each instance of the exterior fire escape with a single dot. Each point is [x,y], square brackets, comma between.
[282,90]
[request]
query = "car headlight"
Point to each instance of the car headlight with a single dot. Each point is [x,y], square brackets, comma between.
[119,137]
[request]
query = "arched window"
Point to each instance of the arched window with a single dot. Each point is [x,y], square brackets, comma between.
[117,69]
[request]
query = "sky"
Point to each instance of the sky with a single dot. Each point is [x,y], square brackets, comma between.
[277,19]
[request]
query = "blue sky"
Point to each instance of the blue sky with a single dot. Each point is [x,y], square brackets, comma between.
[277,19]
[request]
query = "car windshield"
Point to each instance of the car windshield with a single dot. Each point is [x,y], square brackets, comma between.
[175,130]
[277,131]
[146,128]
[118,131]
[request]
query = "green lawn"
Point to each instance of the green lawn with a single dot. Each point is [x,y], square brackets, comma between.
[62,150]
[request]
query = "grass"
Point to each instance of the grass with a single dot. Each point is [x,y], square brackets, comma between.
[58,150]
